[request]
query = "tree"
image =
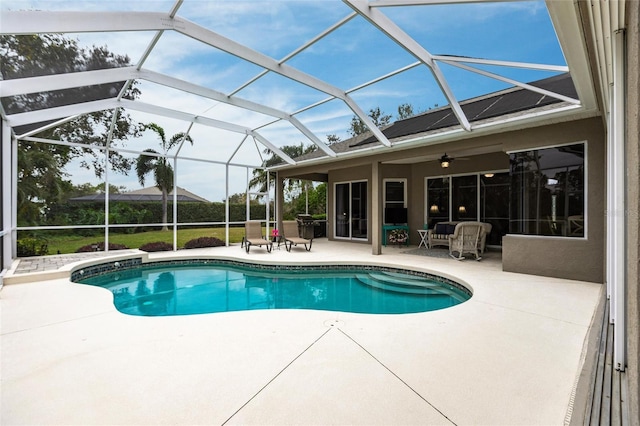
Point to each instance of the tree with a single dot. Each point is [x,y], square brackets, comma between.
[89,189]
[162,170]
[405,111]
[332,138]
[259,179]
[378,117]
[41,166]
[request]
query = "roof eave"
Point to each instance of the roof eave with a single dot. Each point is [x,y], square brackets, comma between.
[552,114]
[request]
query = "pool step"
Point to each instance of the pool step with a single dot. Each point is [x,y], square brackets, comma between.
[398,285]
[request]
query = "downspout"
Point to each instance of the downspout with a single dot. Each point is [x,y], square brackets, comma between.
[619,200]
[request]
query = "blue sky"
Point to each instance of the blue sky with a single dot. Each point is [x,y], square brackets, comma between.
[352,55]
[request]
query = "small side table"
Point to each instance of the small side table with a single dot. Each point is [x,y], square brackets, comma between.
[276,239]
[386,228]
[423,235]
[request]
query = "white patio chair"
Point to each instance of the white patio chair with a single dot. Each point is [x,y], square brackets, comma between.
[466,239]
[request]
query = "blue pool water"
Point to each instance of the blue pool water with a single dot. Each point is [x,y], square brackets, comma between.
[206,288]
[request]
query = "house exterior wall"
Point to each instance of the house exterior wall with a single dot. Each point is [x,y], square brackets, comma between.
[572,258]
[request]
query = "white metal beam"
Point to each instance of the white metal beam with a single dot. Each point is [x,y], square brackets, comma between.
[393,3]
[280,153]
[88,78]
[31,22]
[388,27]
[300,49]
[236,49]
[88,107]
[22,86]
[56,113]
[516,83]
[46,127]
[511,64]
[46,22]
[567,23]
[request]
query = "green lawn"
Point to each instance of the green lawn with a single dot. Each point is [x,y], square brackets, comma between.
[71,243]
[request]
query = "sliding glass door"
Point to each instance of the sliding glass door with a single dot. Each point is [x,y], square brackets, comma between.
[482,196]
[351,210]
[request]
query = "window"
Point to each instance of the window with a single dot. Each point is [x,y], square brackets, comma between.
[547,191]
[456,198]
[494,205]
[395,193]
[437,201]
[464,195]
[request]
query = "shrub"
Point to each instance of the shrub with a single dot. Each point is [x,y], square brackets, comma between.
[204,242]
[32,247]
[99,246]
[157,246]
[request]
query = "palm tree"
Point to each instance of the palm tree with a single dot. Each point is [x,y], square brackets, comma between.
[162,170]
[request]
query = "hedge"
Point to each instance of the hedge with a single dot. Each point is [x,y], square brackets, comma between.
[147,212]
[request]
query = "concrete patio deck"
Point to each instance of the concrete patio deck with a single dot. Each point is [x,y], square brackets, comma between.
[509,355]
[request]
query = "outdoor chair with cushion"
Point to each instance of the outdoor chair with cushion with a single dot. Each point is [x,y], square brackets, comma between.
[291,236]
[253,236]
[466,239]
[439,235]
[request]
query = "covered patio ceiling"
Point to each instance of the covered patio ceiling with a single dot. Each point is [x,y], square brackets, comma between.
[294,79]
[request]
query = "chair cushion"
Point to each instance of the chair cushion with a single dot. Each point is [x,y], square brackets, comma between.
[444,229]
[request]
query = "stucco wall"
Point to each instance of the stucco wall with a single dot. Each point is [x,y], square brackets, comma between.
[572,258]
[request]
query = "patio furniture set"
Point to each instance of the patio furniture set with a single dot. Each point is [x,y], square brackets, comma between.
[290,236]
[460,237]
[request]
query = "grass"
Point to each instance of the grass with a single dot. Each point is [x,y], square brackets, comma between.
[71,243]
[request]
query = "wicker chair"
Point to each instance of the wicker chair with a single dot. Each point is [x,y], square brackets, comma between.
[483,239]
[291,235]
[466,238]
[253,236]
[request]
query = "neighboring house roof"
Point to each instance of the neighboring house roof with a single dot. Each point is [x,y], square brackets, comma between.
[151,193]
[505,102]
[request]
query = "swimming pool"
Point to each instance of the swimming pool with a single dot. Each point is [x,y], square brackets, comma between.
[208,286]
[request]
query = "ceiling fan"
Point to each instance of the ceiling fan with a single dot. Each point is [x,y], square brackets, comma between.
[445,160]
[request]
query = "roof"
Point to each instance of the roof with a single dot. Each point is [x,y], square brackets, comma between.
[151,194]
[478,109]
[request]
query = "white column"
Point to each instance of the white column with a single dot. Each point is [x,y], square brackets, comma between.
[14,198]
[8,208]
[267,233]
[376,223]
[226,204]
[175,202]
[106,195]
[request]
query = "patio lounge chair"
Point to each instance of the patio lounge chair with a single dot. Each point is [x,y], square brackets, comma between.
[466,239]
[291,236]
[253,236]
